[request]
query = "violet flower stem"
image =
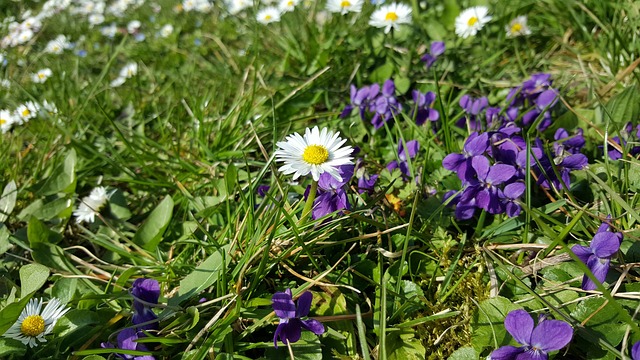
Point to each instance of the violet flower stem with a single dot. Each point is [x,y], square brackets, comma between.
[309,204]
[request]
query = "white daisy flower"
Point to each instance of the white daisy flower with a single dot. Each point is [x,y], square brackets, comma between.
[268,15]
[471,20]
[57,45]
[129,70]
[91,205]
[287,5]
[109,31]
[48,108]
[95,19]
[235,6]
[518,27]
[166,30]
[319,151]
[26,112]
[33,324]
[133,26]
[41,76]
[24,36]
[5,83]
[6,120]
[391,16]
[344,6]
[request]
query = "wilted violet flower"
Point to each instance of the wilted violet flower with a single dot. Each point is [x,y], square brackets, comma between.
[437,49]
[290,328]
[598,255]
[538,341]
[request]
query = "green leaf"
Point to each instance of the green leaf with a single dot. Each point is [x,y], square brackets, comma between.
[231,178]
[11,347]
[604,320]
[64,289]
[4,239]
[93,357]
[487,324]
[38,232]
[11,312]
[402,84]
[308,348]
[625,106]
[75,320]
[404,346]
[8,200]
[55,208]
[465,353]
[32,277]
[382,73]
[150,233]
[63,178]
[203,276]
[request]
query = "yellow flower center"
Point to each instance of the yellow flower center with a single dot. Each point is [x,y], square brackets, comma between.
[391,16]
[516,28]
[290,3]
[3,121]
[345,4]
[267,17]
[32,325]
[315,154]
[41,75]
[472,21]
[25,112]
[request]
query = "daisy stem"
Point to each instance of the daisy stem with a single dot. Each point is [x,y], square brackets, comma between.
[309,204]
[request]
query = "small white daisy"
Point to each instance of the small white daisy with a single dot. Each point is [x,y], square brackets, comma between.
[268,15]
[133,26]
[109,31]
[57,45]
[319,151]
[518,27]
[26,112]
[33,325]
[48,109]
[166,31]
[471,20]
[91,205]
[344,6]
[6,120]
[235,6]
[41,76]
[287,5]
[129,70]
[391,16]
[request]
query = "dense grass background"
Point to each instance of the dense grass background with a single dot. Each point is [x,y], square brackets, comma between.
[187,141]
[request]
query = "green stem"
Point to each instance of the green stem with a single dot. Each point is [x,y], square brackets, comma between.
[309,204]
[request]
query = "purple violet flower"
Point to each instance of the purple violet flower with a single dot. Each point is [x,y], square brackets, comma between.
[386,105]
[598,255]
[331,195]
[403,155]
[262,190]
[635,351]
[475,145]
[437,49]
[509,197]
[290,327]
[487,194]
[538,341]
[423,110]
[147,290]
[127,341]
[473,108]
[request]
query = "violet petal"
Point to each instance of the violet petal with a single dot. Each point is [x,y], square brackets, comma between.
[551,335]
[520,325]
